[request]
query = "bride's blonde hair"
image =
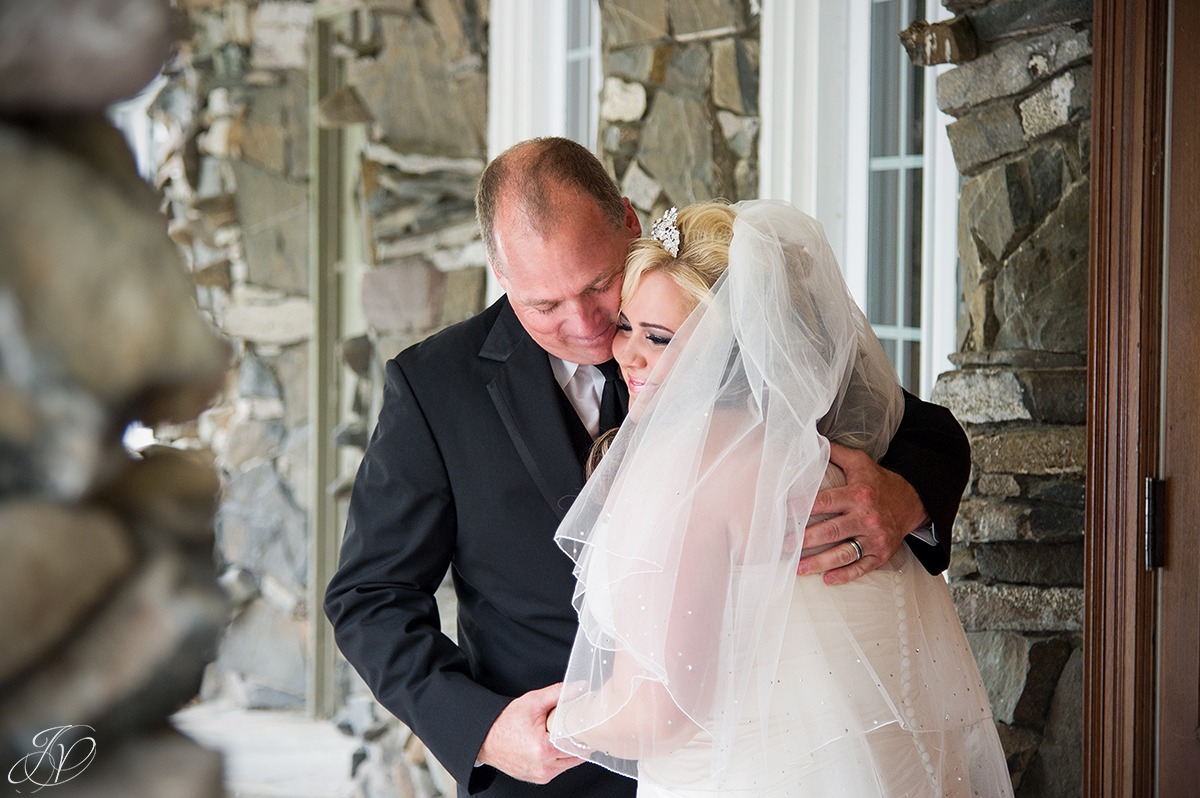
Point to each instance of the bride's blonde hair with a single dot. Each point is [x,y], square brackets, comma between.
[705,231]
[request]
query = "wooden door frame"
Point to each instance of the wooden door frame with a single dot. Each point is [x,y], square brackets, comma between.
[1129,105]
[1179,581]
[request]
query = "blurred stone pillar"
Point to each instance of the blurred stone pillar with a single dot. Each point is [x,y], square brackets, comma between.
[109,608]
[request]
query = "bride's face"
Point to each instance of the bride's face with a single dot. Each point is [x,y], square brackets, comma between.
[645,325]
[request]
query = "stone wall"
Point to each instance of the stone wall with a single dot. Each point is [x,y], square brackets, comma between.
[234,169]
[109,606]
[412,102]
[679,103]
[421,86]
[1021,139]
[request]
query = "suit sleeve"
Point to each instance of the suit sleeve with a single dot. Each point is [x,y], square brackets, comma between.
[931,451]
[399,542]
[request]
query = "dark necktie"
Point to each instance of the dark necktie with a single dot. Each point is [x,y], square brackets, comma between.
[613,400]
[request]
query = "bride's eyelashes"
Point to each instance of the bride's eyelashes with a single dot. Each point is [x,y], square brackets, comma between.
[624,326]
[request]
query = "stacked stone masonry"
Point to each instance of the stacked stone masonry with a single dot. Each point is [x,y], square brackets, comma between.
[236,106]
[1020,137]
[679,106]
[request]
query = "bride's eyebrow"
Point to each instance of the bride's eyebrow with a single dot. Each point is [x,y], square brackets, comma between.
[649,326]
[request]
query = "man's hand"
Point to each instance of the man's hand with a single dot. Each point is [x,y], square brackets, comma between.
[518,744]
[876,507]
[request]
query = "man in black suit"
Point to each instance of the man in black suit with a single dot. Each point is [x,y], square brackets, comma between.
[477,455]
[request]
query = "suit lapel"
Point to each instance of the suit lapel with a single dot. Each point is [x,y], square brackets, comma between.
[530,404]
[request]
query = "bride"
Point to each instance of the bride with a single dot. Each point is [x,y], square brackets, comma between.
[702,663]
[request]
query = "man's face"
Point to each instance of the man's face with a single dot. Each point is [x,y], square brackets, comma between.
[565,286]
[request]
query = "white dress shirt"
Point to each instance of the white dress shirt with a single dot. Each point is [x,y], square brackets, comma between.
[583,385]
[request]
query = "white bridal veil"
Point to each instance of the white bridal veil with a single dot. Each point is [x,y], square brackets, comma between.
[684,543]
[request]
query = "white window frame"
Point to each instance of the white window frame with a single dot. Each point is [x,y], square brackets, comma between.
[589,54]
[527,76]
[941,292]
[813,152]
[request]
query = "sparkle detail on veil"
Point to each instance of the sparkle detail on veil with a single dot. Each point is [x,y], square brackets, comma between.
[666,232]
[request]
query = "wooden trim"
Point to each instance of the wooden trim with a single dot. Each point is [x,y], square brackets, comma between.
[1179,636]
[1128,123]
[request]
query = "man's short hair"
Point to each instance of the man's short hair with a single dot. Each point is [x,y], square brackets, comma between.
[525,176]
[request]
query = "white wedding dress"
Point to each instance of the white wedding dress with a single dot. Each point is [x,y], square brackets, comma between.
[862,688]
[703,665]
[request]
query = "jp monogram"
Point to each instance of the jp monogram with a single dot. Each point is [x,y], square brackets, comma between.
[60,754]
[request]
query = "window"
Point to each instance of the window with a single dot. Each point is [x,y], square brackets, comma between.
[852,135]
[894,209]
[543,71]
[581,98]
[543,75]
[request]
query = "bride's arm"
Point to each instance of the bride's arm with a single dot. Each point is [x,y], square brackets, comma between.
[656,717]
[633,716]
[649,722]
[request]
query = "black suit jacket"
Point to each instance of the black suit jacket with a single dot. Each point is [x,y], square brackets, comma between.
[474,460]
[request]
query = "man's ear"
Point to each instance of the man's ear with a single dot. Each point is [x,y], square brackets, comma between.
[632,222]
[500,278]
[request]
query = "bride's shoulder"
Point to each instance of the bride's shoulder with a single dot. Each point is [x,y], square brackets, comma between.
[734,447]
[731,463]
[732,442]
